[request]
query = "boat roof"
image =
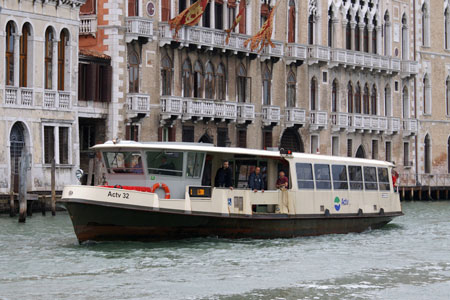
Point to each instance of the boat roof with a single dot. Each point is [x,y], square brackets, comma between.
[129,145]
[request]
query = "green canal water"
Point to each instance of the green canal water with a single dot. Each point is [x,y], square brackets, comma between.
[407,259]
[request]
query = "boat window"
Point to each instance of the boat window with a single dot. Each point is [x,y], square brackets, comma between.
[194,164]
[305,178]
[383,179]
[165,163]
[370,178]
[356,180]
[322,175]
[123,162]
[340,181]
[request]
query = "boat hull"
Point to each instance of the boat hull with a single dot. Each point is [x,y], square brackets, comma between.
[99,221]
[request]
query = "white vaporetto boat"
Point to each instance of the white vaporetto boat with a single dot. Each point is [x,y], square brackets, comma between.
[159,191]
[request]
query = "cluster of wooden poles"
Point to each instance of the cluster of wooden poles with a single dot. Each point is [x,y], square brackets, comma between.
[25,206]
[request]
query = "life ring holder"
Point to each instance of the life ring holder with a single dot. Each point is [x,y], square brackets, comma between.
[160,185]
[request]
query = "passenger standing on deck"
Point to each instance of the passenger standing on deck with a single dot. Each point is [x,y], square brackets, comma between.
[256,181]
[224,176]
[283,181]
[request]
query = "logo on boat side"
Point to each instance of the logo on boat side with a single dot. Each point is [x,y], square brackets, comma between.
[337,203]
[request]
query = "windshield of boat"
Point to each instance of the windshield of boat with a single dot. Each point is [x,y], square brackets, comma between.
[169,163]
[123,162]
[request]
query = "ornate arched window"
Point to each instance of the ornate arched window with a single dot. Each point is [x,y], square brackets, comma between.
[349,97]
[221,82]
[357,35]
[334,96]
[373,101]
[291,88]
[311,29]
[366,100]
[358,99]
[313,94]
[330,27]
[447,28]
[267,85]
[187,78]
[198,80]
[375,36]
[49,38]
[291,22]
[9,49]
[405,103]
[63,42]
[209,81]
[404,38]
[366,35]
[24,41]
[387,101]
[242,84]
[166,76]
[133,72]
[348,33]
[425,25]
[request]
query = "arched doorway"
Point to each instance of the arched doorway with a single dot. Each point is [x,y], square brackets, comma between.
[360,153]
[427,154]
[205,139]
[291,140]
[17,143]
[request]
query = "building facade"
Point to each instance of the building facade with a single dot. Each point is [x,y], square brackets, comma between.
[38,91]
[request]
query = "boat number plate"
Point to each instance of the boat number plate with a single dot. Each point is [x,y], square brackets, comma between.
[118,195]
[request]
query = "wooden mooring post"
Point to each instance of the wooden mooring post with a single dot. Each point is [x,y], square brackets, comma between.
[53,187]
[12,207]
[24,161]
[42,202]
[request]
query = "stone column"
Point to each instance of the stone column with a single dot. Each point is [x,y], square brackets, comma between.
[54,65]
[361,37]
[16,58]
[334,32]
[353,27]
[388,39]
[225,15]
[344,33]
[379,40]
[370,29]
[212,17]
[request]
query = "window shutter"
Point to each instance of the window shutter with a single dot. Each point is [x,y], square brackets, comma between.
[106,83]
[165,10]
[81,94]
[291,35]
[160,129]
[91,81]
[131,8]
[172,134]
[127,132]
[242,28]
[88,8]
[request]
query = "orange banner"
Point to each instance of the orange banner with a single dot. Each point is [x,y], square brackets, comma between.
[263,37]
[189,17]
[235,22]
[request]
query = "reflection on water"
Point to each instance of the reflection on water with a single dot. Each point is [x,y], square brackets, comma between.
[407,259]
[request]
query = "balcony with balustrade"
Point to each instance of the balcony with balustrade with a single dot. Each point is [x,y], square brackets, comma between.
[171,108]
[318,54]
[271,115]
[339,121]
[362,60]
[245,113]
[57,100]
[18,97]
[138,105]
[393,125]
[410,127]
[138,28]
[88,25]
[295,53]
[210,38]
[409,68]
[318,120]
[294,117]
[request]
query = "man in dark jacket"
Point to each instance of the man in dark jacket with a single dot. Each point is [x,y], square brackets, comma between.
[224,176]
[256,181]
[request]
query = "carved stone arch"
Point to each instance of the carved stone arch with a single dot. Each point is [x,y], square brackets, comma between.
[291,140]
[360,153]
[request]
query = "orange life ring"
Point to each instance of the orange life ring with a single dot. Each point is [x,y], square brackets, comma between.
[163,186]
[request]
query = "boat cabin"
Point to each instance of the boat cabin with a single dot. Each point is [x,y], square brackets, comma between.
[186,172]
